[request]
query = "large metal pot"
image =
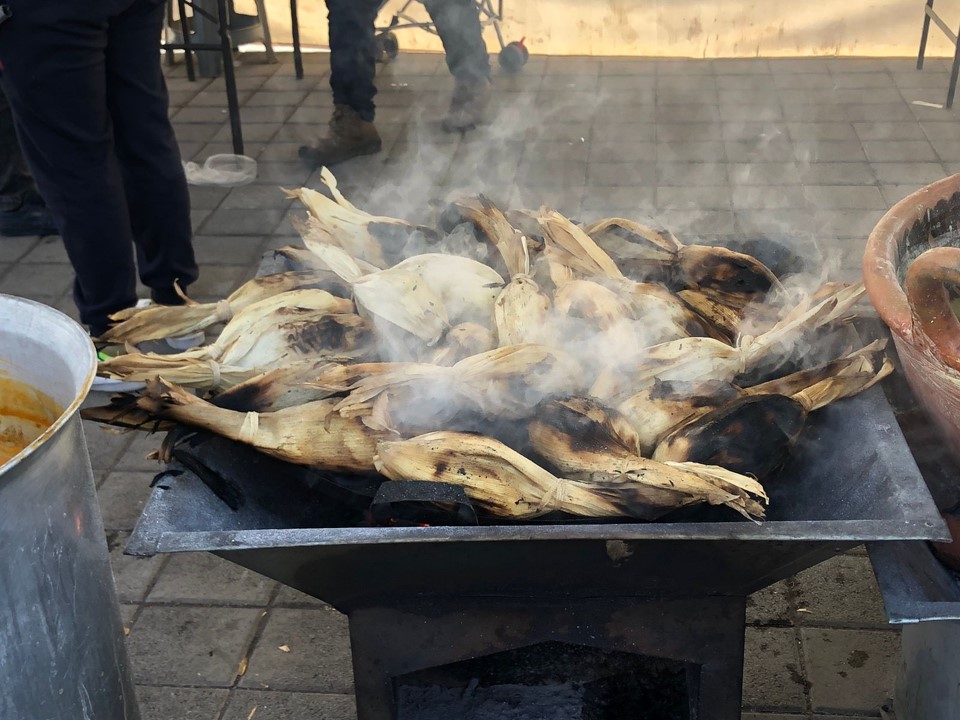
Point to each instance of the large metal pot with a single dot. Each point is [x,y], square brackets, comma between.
[62,654]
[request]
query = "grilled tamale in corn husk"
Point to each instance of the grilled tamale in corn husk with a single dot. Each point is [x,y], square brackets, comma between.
[521,312]
[163,321]
[504,483]
[283,387]
[374,239]
[583,440]
[287,327]
[310,434]
[493,228]
[660,407]
[754,433]
[700,359]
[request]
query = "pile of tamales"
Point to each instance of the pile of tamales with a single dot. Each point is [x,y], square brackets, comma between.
[543,366]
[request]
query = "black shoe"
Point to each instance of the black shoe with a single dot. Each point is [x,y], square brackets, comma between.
[31,218]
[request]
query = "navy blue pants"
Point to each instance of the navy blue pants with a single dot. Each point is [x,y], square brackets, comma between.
[90,106]
[353,48]
[15,181]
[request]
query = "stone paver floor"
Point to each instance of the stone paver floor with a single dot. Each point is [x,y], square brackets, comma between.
[810,151]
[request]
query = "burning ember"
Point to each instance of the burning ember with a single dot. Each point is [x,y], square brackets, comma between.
[536,366]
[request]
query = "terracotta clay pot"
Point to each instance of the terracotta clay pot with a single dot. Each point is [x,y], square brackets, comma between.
[907,278]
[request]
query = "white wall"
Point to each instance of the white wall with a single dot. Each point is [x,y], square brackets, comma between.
[680,28]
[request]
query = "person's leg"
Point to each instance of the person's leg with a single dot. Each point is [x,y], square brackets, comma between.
[458,25]
[156,188]
[353,54]
[54,76]
[352,72]
[21,210]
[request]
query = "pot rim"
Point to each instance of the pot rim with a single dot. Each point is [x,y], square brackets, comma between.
[881,257]
[82,391]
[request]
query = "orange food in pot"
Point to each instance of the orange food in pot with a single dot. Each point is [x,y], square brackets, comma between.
[25,413]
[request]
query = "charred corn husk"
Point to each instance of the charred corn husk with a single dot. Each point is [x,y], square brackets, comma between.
[161,321]
[374,239]
[280,388]
[495,229]
[571,253]
[309,434]
[590,301]
[297,325]
[522,313]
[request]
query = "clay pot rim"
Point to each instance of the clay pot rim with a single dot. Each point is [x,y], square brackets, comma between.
[881,257]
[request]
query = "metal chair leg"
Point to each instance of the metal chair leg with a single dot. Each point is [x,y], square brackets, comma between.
[953,75]
[185,32]
[923,35]
[295,28]
[233,103]
[265,26]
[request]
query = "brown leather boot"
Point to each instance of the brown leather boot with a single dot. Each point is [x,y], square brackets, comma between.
[469,100]
[349,136]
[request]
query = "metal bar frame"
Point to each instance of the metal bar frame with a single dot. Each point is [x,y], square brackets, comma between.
[490,15]
[295,30]
[928,15]
[225,46]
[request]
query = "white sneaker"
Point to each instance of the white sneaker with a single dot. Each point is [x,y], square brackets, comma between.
[179,343]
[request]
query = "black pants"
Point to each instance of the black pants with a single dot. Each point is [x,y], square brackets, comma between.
[353,49]
[15,180]
[90,104]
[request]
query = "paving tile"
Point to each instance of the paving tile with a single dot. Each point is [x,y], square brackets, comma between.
[847,223]
[617,174]
[850,670]
[786,222]
[552,171]
[687,113]
[139,445]
[255,197]
[284,706]
[622,151]
[252,132]
[869,112]
[208,579]
[689,225]
[627,66]
[12,249]
[132,575]
[319,656]
[694,198]
[198,646]
[217,98]
[47,250]
[691,173]
[288,597]
[798,65]
[39,281]
[893,194]
[827,113]
[762,197]
[889,131]
[837,173]
[899,151]
[772,674]
[786,173]
[623,201]
[744,82]
[759,112]
[818,131]
[908,172]
[690,151]
[759,150]
[771,606]
[859,197]
[104,444]
[242,221]
[215,115]
[670,96]
[947,150]
[820,81]
[841,591]
[749,130]
[219,250]
[668,132]
[196,132]
[813,151]
[869,96]
[204,197]
[122,497]
[166,703]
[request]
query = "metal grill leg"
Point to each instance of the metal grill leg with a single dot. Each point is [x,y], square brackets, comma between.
[923,36]
[265,27]
[230,79]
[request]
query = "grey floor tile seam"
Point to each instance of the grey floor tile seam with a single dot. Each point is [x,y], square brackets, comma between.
[251,646]
[21,256]
[112,467]
[148,589]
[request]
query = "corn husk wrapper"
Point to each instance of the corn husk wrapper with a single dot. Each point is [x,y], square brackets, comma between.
[467,288]
[374,239]
[498,231]
[460,342]
[291,326]
[590,301]
[163,321]
[283,387]
[309,434]
[700,359]
[507,484]
[570,253]
[505,382]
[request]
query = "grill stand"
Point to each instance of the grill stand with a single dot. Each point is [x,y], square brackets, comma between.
[706,632]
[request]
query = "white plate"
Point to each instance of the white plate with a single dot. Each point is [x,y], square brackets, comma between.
[102,384]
